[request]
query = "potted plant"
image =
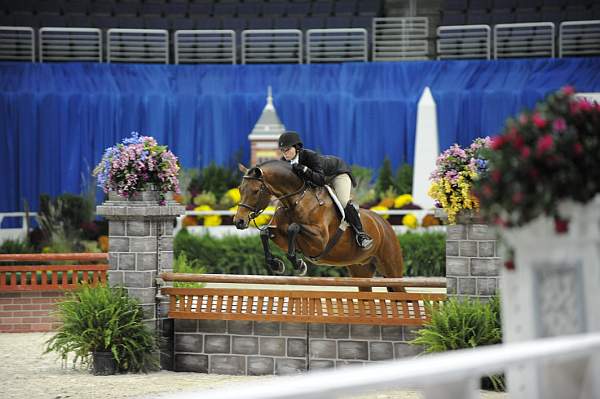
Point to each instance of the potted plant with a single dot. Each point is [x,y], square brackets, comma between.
[103,326]
[452,180]
[138,164]
[542,190]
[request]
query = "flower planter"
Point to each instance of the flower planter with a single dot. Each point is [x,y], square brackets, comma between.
[103,363]
[553,290]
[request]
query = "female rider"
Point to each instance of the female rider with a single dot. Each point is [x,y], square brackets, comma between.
[321,170]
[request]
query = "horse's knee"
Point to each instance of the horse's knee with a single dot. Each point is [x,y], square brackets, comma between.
[293,229]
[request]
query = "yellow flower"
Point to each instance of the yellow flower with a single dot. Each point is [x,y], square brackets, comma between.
[402,200]
[410,221]
[209,221]
[263,219]
[234,195]
[381,208]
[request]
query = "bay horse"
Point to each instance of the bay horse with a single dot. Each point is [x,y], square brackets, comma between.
[307,220]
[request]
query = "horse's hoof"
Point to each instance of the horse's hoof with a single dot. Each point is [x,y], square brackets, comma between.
[301,267]
[277,266]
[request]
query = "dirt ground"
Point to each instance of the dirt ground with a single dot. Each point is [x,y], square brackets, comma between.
[27,374]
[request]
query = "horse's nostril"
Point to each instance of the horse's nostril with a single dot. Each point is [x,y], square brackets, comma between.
[240,223]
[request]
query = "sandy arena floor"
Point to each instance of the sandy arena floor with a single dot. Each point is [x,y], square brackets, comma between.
[27,374]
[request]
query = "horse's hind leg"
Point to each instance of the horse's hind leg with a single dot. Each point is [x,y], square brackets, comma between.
[390,262]
[366,270]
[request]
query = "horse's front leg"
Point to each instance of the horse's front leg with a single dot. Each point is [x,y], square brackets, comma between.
[298,264]
[275,264]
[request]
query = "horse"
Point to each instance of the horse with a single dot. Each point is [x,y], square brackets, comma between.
[308,221]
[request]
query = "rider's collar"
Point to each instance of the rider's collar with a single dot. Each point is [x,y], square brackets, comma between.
[295,160]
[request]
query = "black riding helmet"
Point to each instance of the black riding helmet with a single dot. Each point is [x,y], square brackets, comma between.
[290,139]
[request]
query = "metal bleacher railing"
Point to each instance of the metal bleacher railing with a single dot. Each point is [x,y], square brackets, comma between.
[464,41]
[391,39]
[579,38]
[272,46]
[17,43]
[400,38]
[205,46]
[137,45]
[336,45]
[72,44]
[535,39]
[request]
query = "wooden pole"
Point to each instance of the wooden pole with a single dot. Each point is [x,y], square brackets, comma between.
[430,282]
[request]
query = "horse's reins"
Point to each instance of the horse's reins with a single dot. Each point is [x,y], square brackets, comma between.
[254,212]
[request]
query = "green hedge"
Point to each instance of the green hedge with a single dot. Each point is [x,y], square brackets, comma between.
[424,255]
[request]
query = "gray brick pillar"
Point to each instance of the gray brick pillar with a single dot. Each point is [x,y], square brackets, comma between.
[141,247]
[472,261]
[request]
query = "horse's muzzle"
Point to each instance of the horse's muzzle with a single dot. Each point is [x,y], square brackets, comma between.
[241,224]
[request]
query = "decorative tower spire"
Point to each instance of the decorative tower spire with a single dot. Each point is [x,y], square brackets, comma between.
[266,132]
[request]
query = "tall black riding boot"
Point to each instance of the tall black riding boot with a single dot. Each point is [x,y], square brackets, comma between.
[353,217]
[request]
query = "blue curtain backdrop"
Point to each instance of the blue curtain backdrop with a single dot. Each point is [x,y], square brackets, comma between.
[56,119]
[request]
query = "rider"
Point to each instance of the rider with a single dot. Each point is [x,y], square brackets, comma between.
[322,170]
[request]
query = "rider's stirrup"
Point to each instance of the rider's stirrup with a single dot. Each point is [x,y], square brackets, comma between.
[364,241]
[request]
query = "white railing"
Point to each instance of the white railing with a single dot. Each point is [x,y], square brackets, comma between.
[336,45]
[271,46]
[579,38]
[137,45]
[205,46]
[70,44]
[449,375]
[17,43]
[16,233]
[400,38]
[464,42]
[535,39]
[222,230]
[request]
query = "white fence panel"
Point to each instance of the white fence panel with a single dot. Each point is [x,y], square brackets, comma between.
[450,375]
[70,44]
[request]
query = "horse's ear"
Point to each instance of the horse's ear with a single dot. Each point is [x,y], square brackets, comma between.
[242,168]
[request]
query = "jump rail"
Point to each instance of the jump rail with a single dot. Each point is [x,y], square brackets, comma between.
[383,308]
[51,277]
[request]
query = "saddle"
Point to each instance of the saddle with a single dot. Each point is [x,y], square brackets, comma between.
[341,228]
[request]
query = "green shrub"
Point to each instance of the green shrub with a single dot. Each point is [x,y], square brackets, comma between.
[16,247]
[215,179]
[463,324]
[424,254]
[182,265]
[385,178]
[104,319]
[404,179]
[460,324]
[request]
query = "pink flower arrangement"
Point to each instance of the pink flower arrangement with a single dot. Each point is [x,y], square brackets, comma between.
[543,157]
[135,164]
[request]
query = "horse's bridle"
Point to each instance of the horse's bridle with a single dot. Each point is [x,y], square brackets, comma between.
[254,211]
